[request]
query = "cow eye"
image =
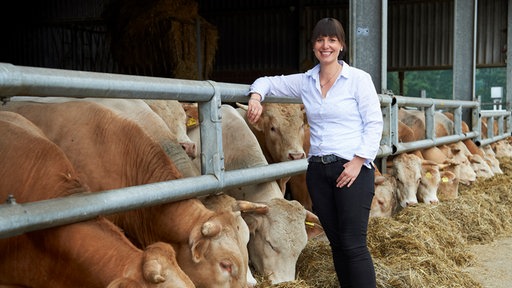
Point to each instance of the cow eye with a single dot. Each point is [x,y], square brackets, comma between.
[273,129]
[271,246]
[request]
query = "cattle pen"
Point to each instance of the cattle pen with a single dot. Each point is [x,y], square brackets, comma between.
[16,218]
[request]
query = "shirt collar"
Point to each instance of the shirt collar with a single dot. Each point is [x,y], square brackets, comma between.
[314,72]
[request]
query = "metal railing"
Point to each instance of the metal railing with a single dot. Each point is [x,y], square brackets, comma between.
[16,218]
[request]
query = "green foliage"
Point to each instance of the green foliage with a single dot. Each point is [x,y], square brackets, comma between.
[487,78]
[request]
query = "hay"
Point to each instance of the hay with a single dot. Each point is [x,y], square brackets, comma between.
[426,245]
[158,38]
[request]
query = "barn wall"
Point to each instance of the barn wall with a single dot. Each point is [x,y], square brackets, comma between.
[55,34]
[491,33]
[255,37]
[420,34]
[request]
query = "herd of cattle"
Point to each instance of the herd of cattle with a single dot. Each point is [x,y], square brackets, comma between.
[57,147]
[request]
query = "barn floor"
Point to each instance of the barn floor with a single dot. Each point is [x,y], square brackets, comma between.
[493,264]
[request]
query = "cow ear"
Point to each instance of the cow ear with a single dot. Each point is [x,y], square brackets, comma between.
[312,224]
[199,248]
[253,220]
[304,115]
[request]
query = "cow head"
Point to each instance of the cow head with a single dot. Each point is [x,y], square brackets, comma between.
[462,166]
[223,202]
[407,172]
[430,179]
[173,114]
[490,158]
[216,255]
[480,166]
[384,202]
[448,187]
[275,244]
[280,131]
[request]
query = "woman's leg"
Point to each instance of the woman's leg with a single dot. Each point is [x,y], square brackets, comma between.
[344,214]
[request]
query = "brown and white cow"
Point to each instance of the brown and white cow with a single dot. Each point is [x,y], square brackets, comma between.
[278,236]
[477,163]
[33,169]
[141,113]
[297,183]
[112,152]
[171,111]
[384,202]
[280,132]
[455,160]
[429,183]
[502,148]
[490,158]
[406,168]
[415,119]
[448,187]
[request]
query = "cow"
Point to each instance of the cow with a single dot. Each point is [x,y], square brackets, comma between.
[221,201]
[448,187]
[172,111]
[502,148]
[384,202]
[280,132]
[140,112]
[429,183]
[407,171]
[33,169]
[112,152]
[490,158]
[297,183]
[454,160]
[415,119]
[477,163]
[279,235]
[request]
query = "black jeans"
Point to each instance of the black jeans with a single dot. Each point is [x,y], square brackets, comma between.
[344,214]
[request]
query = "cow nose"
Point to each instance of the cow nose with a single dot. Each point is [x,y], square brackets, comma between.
[435,201]
[190,149]
[407,204]
[296,156]
[226,265]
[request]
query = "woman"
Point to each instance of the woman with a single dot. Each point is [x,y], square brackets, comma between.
[343,111]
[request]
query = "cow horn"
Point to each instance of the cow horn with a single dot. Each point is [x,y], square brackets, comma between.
[243,106]
[210,229]
[247,206]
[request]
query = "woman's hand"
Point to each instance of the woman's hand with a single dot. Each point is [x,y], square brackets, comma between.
[254,108]
[350,173]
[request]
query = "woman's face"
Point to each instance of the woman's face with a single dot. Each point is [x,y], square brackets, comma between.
[327,48]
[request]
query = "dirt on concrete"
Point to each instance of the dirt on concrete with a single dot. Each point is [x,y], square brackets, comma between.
[493,265]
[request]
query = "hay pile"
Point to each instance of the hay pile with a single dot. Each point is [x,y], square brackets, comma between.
[159,38]
[426,245]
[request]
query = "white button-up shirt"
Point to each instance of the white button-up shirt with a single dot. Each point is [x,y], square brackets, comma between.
[347,122]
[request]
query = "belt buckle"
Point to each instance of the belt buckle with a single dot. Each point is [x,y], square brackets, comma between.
[325,161]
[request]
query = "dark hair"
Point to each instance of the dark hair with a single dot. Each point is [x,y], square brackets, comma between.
[330,27]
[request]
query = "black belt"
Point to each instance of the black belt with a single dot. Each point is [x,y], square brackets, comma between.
[326,159]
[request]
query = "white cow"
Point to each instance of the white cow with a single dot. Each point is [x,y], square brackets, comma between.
[406,168]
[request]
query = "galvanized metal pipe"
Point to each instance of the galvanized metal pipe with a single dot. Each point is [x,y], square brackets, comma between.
[17,218]
[34,81]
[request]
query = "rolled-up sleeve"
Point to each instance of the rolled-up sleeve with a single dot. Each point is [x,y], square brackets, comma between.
[279,86]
